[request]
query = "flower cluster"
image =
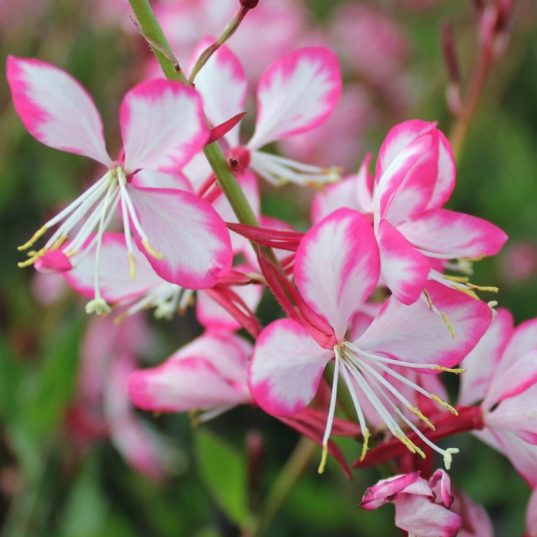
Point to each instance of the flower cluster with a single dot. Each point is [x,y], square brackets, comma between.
[377,295]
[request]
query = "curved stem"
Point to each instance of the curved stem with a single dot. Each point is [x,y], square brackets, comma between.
[460,128]
[152,32]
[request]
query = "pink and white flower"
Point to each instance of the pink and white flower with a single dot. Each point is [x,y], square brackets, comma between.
[414,177]
[208,374]
[297,93]
[422,508]
[336,270]
[504,366]
[163,126]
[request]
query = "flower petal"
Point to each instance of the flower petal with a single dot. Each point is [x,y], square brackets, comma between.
[353,192]
[286,368]
[181,385]
[419,516]
[222,85]
[56,109]
[404,269]
[187,231]
[162,125]
[398,139]
[384,491]
[114,282]
[136,444]
[524,340]
[449,234]
[337,267]
[483,361]
[226,351]
[416,334]
[296,94]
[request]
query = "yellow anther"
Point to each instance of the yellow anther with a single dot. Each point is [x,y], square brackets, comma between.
[429,299]
[487,289]
[422,417]
[150,251]
[409,444]
[457,370]
[482,256]
[71,254]
[59,242]
[28,262]
[39,233]
[120,318]
[444,404]
[367,436]
[448,324]
[132,266]
[458,279]
[324,455]
[465,290]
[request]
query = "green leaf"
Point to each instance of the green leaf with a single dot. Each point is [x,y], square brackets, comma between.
[224,472]
[9,382]
[86,508]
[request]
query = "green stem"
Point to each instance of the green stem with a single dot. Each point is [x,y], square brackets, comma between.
[281,488]
[229,30]
[152,31]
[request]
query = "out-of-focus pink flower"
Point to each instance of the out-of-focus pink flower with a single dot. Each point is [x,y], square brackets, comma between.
[531,516]
[48,288]
[422,508]
[475,520]
[257,43]
[518,262]
[340,141]
[369,41]
[208,374]
[102,409]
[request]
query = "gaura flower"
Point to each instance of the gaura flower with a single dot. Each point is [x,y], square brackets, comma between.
[336,270]
[295,94]
[422,508]
[162,126]
[504,379]
[414,177]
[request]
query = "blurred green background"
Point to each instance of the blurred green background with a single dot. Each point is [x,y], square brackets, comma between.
[49,484]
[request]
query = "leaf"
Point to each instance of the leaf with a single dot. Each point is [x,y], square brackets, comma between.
[224,473]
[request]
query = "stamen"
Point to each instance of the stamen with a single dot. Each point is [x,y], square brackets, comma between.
[429,299]
[457,370]
[481,257]
[132,266]
[465,290]
[444,404]
[488,289]
[422,417]
[457,279]
[150,251]
[448,324]
[365,445]
[406,441]
[39,233]
[331,410]
[324,456]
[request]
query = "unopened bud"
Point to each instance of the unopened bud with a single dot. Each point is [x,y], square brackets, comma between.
[249,4]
